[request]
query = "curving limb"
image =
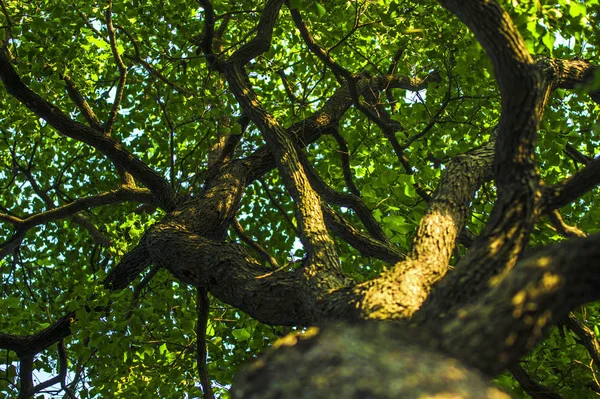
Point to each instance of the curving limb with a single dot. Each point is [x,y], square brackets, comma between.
[22,225]
[75,130]
[313,233]
[538,293]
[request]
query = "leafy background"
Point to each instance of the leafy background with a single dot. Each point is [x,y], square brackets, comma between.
[172,111]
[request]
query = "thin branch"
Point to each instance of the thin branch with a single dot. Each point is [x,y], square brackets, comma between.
[364,243]
[534,389]
[341,74]
[108,125]
[122,194]
[13,243]
[343,199]
[75,130]
[149,68]
[137,290]
[278,206]
[69,210]
[374,112]
[11,219]
[62,372]
[208,34]
[430,125]
[172,172]
[345,158]
[577,156]
[562,228]
[98,236]
[253,244]
[586,335]
[82,104]
[570,189]
[30,345]
[63,368]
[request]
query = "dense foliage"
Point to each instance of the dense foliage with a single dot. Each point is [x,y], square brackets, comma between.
[207,119]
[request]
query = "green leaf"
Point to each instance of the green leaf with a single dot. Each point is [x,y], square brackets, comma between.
[241,334]
[576,9]
[548,40]
[319,9]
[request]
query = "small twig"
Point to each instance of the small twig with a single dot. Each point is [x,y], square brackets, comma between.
[149,68]
[345,158]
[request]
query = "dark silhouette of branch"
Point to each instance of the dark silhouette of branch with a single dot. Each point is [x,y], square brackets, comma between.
[75,130]
[203,307]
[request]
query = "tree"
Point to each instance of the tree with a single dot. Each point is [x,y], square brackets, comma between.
[189,180]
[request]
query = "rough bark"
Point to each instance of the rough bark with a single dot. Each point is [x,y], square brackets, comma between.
[457,348]
[362,360]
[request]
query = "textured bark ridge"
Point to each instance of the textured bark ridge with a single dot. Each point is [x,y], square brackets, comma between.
[363,360]
[417,329]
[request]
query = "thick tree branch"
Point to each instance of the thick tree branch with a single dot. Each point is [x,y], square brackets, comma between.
[75,130]
[538,293]
[262,40]
[568,190]
[409,282]
[350,355]
[25,377]
[326,120]
[517,208]
[364,243]
[480,264]
[343,199]
[323,259]
[570,74]
[30,345]
[203,309]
